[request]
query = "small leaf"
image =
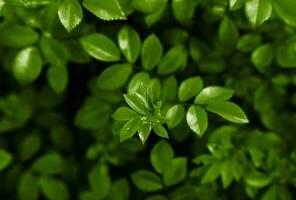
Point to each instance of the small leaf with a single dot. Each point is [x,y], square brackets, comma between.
[262,56]
[226,174]
[248,42]
[189,88]
[212,173]
[174,59]
[137,102]
[18,36]
[27,65]
[129,129]
[161,156]
[152,51]
[105,10]
[146,181]
[53,189]
[213,94]
[175,115]
[136,83]
[120,190]
[176,172]
[236,4]
[197,119]
[114,77]
[100,47]
[148,6]
[29,146]
[5,159]
[160,130]
[144,130]
[129,43]
[183,10]
[28,187]
[70,14]
[286,10]
[229,111]
[258,180]
[286,56]
[228,33]
[99,180]
[258,11]
[57,77]
[124,114]
[50,163]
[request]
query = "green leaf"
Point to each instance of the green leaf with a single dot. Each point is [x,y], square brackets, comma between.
[262,56]
[54,51]
[57,77]
[29,146]
[70,14]
[157,197]
[130,43]
[93,114]
[160,130]
[5,159]
[228,33]
[151,53]
[100,47]
[50,163]
[197,119]
[248,42]
[170,89]
[226,174]
[213,94]
[286,56]
[124,114]
[175,115]
[53,189]
[27,65]
[189,88]
[161,156]
[147,181]
[120,190]
[236,4]
[28,187]
[212,173]
[17,36]
[258,180]
[229,111]
[144,130]
[99,180]
[174,59]
[136,83]
[129,129]
[183,10]
[176,172]
[137,102]
[258,11]
[105,10]
[114,77]
[286,10]
[148,6]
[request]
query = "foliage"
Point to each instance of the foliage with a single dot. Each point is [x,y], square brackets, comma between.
[147,99]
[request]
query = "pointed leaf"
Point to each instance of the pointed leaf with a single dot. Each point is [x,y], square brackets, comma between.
[147,181]
[152,51]
[129,129]
[70,14]
[213,94]
[124,114]
[197,119]
[258,11]
[160,131]
[189,88]
[176,172]
[175,115]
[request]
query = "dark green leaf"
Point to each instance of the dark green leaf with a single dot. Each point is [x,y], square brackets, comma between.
[57,77]
[146,181]
[183,10]
[50,163]
[228,33]
[161,156]
[53,189]
[28,187]
[99,181]
[5,159]
[212,173]
[176,173]
[286,56]
[148,6]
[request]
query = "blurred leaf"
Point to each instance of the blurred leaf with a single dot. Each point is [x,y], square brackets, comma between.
[146,180]
[50,163]
[5,159]
[53,189]
[176,173]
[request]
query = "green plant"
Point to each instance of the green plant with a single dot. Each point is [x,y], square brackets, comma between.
[208,86]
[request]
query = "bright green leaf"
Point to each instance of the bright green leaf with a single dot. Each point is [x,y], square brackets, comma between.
[152,51]
[258,11]
[197,119]
[53,189]
[148,6]
[70,14]
[175,115]
[129,129]
[57,77]
[100,47]
[262,56]
[189,88]
[124,114]
[130,43]
[286,10]
[213,94]
[183,10]
[160,130]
